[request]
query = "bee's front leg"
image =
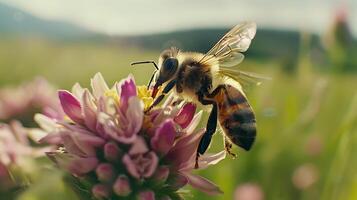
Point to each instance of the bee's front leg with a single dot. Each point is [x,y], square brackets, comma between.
[166,90]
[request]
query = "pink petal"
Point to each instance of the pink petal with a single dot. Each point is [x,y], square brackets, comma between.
[71,106]
[134,116]
[89,111]
[71,146]
[52,138]
[205,161]
[194,123]
[154,161]
[184,151]
[186,114]
[87,143]
[146,195]
[178,181]
[130,166]
[203,184]
[99,86]
[82,166]
[126,88]
[138,147]
[74,164]
[164,137]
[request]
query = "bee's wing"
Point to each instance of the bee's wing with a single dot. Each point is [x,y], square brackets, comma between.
[244,78]
[228,49]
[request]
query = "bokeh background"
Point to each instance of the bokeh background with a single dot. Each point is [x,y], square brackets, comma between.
[307,114]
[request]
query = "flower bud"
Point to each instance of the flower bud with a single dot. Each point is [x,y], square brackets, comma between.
[105,172]
[146,195]
[161,174]
[112,151]
[100,191]
[121,186]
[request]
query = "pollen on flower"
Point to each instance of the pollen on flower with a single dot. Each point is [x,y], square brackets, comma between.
[145,95]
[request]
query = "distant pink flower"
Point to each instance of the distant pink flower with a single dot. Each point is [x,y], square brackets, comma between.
[15,149]
[23,101]
[305,176]
[108,134]
[248,191]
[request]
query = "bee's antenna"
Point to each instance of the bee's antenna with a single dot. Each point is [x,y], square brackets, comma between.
[145,62]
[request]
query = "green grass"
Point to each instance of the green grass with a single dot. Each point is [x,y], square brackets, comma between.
[291,110]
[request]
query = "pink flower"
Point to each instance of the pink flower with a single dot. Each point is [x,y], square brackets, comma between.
[15,150]
[108,135]
[24,100]
[248,191]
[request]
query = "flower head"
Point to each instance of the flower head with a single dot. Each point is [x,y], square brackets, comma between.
[132,152]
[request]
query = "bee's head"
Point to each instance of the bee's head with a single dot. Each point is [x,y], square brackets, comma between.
[168,65]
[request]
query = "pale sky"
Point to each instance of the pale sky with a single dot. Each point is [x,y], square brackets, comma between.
[149,16]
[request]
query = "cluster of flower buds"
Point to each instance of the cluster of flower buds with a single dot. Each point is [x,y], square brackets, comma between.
[119,149]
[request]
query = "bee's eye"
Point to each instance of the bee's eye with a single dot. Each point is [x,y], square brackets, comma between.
[170,65]
[168,69]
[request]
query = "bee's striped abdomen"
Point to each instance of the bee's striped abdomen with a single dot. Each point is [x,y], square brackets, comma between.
[236,117]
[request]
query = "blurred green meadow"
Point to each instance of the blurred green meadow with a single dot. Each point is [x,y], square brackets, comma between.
[306,145]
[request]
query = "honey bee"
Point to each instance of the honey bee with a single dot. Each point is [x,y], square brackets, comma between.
[210,79]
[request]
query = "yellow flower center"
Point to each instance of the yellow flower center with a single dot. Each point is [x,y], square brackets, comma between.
[145,95]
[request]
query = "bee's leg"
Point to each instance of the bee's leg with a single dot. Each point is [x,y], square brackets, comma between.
[166,90]
[228,147]
[210,129]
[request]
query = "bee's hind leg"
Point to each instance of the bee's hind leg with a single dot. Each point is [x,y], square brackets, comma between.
[210,129]
[228,147]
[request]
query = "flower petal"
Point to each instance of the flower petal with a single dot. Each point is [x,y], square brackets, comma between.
[205,161]
[83,165]
[89,111]
[74,164]
[134,117]
[203,184]
[194,123]
[130,166]
[184,151]
[154,161]
[126,88]
[138,147]
[87,143]
[99,86]
[71,106]
[46,123]
[77,90]
[185,115]
[164,137]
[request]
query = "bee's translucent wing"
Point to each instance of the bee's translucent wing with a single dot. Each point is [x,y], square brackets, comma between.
[228,49]
[244,78]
